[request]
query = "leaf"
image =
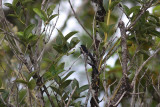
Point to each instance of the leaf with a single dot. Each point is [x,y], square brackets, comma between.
[14,3]
[51,17]
[47,76]
[59,40]
[32,84]
[50,9]
[70,73]
[31,75]
[75,83]
[156,11]
[65,96]
[26,1]
[40,13]
[65,84]
[21,81]
[8,5]
[28,30]
[83,88]
[126,10]
[113,4]
[22,95]
[70,35]
[12,15]
[74,42]
[56,90]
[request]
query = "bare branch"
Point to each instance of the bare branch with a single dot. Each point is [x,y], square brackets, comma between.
[79,20]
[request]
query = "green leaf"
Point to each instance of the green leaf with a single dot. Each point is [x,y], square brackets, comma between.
[126,10]
[67,75]
[32,84]
[52,69]
[26,1]
[8,5]
[21,81]
[58,91]
[31,75]
[40,13]
[83,88]
[47,76]
[65,84]
[12,15]
[113,4]
[65,96]
[59,40]
[50,9]
[22,95]
[74,42]
[75,83]
[156,11]
[70,35]
[14,3]
[51,17]
[28,30]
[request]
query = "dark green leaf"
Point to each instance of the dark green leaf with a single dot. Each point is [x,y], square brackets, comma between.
[156,11]
[31,75]
[47,76]
[83,88]
[65,96]
[59,40]
[114,3]
[51,17]
[8,5]
[70,35]
[75,83]
[12,15]
[126,10]
[74,42]
[65,84]
[40,13]
[67,75]
[26,1]
[14,3]
[21,81]
[50,9]
[28,30]
[32,84]
[58,91]
[22,95]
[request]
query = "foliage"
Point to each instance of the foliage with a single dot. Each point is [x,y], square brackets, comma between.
[31,65]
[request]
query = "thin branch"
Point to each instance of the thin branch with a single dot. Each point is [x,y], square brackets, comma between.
[71,96]
[79,20]
[144,63]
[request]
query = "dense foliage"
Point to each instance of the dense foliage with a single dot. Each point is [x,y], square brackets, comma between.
[33,68]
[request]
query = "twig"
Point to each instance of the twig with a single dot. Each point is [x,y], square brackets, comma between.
[71,96]
[144,63]
[49,97]
[79,20]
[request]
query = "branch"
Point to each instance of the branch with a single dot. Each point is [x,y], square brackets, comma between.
[124,47]
[144,63]
[79,20]
[71,96]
